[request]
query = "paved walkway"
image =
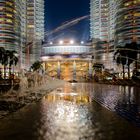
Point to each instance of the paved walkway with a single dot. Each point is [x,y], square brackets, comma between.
[124,100]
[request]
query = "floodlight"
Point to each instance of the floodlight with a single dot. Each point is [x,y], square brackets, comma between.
[61,42]
[71,41]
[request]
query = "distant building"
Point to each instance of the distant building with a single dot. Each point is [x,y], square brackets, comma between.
[67,59]
[99,21]
[23,36]
[102,20]
[35,28]
[102,13]
[112,12]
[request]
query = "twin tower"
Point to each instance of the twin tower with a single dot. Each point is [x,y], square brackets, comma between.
[115,21]
[22,28]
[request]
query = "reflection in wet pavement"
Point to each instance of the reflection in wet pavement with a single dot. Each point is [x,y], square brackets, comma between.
[124,100]
[70,113]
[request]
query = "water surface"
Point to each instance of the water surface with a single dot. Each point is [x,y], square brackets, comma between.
[71,113]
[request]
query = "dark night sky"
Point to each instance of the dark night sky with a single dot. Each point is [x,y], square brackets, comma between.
[60,11]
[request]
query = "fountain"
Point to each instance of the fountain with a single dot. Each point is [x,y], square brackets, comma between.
[32,87]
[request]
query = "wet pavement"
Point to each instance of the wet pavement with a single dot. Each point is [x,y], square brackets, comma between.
[123,100]
[78,112]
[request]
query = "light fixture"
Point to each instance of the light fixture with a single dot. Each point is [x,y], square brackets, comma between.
[71,41]
[82,42]
[51,43]
[44,58]
[61,42]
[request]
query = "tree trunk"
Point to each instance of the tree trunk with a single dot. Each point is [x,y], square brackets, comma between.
[128,71]
[136,65]
[13,71]
[123,72]
[4,72]
[9,71]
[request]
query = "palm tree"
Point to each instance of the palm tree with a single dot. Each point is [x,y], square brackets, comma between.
[7,58]
[13,60]
[5,61]
[120,57]
[135,50]
[131,52]
[36,66]
[126,55]
[2,51]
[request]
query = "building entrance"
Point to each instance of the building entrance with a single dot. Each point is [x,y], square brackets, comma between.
[69,70]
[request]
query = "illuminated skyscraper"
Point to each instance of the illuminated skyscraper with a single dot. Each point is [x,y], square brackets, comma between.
[23,33]
[35,29]
[22,23]
[127,22]
[99,21]
[112,12]
[102,21]
[102,25]
[11,24]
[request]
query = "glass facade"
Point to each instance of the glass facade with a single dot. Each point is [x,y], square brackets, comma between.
[114,23]
[9,25]
[13,25]
[102,28]
[35,27]
[112,12]
[127,22]
[66,49]
[22,22]
[99,20]
[115,20]
[102,13]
